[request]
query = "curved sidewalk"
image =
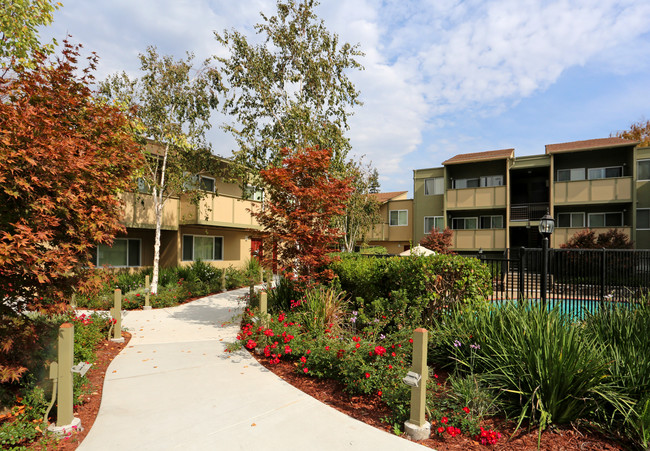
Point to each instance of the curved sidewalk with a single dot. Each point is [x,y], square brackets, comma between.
[174,387]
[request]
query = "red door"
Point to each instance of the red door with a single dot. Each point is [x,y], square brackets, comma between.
[256,249]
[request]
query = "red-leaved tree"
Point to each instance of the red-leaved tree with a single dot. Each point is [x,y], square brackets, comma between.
[303,198]
[64,157]
[437,241]
[587,239]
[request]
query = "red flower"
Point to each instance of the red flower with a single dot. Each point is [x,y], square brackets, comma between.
[380,350]
[367,375]
[410,340]
[303,359]
[466,409]
[250,344]
[444,420]
[305,370]
[441,430]
[358,345]
[327,348]
[390,367]
[379,393]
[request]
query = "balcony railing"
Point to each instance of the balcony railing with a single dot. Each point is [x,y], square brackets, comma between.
[476,239]
[486,197]
[602,190]
[528,212]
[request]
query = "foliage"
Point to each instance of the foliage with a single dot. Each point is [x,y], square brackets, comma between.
[546,368]
[291,90]
[19,23]
[323,308]
[639,131]
[283,295]
[303,198]
[373,250]
[173,110]
[437,241]
[64,156]
[411,291]
[361,208]
[587,239]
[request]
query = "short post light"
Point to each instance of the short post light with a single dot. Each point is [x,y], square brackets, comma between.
[417,427]
[546,227]
[116,313]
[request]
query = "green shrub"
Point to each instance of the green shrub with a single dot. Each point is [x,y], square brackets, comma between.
[324,308]
[283,296]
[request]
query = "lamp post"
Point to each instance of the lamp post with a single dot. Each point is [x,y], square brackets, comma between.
[546,227]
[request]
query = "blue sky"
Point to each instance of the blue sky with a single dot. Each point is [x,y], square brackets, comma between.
[441,77]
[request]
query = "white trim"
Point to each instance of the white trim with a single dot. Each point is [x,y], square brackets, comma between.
[398,224]
[201,236]
[637,167]
[605,168]
[637,215]
[589,215]
[571,219]
[127,239]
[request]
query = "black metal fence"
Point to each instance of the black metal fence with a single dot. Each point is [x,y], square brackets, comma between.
[578,279]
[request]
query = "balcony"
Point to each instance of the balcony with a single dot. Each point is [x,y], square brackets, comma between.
[562,234]
[220,211]
[139,212]
[477,239]
[528,212]
[487,197]
[602,190]
[379,233]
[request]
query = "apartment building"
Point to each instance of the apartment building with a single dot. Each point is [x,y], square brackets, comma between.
[494,200]
[216,230]
[395,231]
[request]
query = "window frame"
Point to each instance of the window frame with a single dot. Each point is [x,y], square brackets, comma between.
[480,225]
[435,181]
[128,265]
[390,218]
[605,213]
[465,218]
[214,183]
[571,225]
[571,179]
[638,162]
[214,237]
[637,218]
[434,218]
[251,192]
[604,168]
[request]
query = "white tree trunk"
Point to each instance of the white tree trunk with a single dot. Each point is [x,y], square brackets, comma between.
[158,208]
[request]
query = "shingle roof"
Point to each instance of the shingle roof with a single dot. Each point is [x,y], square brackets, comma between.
[385,197]
[588,145]
[481,156]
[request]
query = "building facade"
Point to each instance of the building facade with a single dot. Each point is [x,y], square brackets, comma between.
[494,200]
[395,231]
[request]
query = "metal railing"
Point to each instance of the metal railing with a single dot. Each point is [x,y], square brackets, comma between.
[528,212]
[578,280]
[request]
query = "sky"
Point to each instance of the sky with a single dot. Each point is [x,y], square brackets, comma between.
[440,78]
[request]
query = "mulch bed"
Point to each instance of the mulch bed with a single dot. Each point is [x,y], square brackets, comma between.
[371,410]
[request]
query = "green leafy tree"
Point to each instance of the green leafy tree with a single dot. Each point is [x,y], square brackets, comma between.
[19,23]
[303,199]
[361,211]
[291,90]
[173,104]
[64,157]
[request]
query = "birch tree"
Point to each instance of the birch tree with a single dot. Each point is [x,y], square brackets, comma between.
[290,91]
[173,103]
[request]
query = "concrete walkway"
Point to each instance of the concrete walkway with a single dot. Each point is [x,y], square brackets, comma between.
[173,387]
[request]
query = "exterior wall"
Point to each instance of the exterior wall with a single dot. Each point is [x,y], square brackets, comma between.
[642,237]
[603,190]
[488,197]
[393,238]
[236,245]
[139,212]
[432,205]
[473,240]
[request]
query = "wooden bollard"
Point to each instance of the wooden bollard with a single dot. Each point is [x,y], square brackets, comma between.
[116,313]
[417,427]
[147,285]
[223,280]
[263,302]
[73,300]
[64,413]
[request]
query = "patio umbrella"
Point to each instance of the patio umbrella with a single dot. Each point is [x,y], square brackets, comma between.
[418,250]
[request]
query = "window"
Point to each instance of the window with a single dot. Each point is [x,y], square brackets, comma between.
[143,186]
[643,170]
[433,186]
[566,175]
[253,193]
[492,222]
[207,184]
[643,218]
[605,173]
[434,221]
[464,223]
[123,253]
[398,217]
[606,219]
[571,220]
[466,183]
[488,180]
[197,247]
